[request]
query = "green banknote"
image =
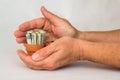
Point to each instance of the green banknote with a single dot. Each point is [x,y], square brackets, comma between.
[35,38]
[29,37]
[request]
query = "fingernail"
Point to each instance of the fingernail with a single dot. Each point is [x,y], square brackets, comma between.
[36,56]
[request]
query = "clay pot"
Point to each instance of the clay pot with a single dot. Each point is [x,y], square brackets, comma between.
[30,48]
[33,48]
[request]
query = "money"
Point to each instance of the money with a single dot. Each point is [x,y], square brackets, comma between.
[28,36]
[39,38]
[42,36]
[35,38]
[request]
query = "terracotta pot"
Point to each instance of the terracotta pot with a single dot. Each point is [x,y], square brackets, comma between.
[33,48]
[30,48]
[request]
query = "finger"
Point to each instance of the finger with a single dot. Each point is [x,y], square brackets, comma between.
[50,16]
[19,33]
[33,24]
[22,55]
[28,61]
[21,40]
[44,53]
[48,26]
[35,67]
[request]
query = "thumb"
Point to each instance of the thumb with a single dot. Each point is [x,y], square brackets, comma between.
[49,15]
[43,53]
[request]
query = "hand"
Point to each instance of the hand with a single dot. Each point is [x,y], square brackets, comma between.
[55,27]
[61,52]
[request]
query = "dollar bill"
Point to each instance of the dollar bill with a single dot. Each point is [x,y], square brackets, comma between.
[35,37]
[43,33]
[39,38]
[28,37]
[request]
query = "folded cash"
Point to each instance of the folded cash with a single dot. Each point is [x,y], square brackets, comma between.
[35,38]
[43,33]
[29,37]
[39,38]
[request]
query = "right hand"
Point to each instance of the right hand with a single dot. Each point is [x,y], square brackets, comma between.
[55,27]
[61,52]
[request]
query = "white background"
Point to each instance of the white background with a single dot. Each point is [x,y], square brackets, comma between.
[83,14]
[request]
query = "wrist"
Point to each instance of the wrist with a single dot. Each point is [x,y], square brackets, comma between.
[82,49]
[79,35]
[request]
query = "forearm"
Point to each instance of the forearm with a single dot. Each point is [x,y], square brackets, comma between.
[100,36]
[105,53]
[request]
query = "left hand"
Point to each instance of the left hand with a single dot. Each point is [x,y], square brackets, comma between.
[59,53]
[54,26]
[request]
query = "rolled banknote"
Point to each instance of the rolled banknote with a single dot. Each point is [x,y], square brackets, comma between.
[39,38]
[36,37]
[29,37]
[43,33]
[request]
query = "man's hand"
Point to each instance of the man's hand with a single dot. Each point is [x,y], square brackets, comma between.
[55,27]
[59,53]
